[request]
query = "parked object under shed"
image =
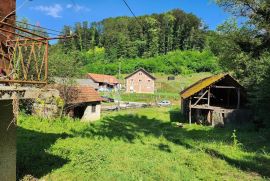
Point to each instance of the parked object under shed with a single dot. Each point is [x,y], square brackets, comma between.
[215,100]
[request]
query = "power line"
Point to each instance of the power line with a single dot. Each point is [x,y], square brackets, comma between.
[129,8]
[125,2]
[40,31]
[39,27]
[48,29]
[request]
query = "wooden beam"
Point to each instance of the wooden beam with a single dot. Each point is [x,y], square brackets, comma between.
[238,98]
[224,87]
[200,98]
[209,96]
[189,113]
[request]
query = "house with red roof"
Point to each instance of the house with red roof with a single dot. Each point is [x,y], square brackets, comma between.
[105,82]
[85,104]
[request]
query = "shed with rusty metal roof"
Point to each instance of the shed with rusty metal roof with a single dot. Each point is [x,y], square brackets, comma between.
[214,100]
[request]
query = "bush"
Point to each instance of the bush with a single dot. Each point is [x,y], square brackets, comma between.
[176,62]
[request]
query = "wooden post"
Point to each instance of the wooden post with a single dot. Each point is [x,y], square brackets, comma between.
[189,113]
[238,100]
[209,96]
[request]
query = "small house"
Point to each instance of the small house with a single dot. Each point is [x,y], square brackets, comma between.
[215,100]
[85,105]
[105,82]
[140,81]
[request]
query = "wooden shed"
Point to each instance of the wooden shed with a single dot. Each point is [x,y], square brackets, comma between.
[215,100]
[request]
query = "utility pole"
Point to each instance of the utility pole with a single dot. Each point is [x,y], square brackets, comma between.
[118,91]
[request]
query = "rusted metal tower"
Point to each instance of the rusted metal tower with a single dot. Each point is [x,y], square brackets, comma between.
[7,15]
[23,52]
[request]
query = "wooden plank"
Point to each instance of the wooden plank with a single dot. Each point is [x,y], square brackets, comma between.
[189,114]
[224,87]
[209,96]
[200,98]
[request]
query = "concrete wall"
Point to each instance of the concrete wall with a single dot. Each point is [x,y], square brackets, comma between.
[7,142]
[90,116]
[140,83]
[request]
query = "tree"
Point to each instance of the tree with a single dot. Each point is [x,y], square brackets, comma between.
[245,49]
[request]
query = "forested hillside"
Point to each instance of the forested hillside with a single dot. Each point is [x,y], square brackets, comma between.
[173,43]
[145,36]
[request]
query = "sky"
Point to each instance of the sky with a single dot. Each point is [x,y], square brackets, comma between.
[55,14]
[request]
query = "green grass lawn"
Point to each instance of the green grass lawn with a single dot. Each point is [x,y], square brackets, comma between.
[139,144]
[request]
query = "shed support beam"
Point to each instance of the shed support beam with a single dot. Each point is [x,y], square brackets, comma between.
[200,98]
[224,87]
[209,96]
[238,98]
[189,113]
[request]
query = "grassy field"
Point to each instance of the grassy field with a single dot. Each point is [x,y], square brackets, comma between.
[139,144]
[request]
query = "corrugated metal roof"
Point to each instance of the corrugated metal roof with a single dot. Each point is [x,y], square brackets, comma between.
[201,84]
[102,78]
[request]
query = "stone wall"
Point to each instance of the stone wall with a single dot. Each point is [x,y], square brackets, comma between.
[48,104]
[7,142]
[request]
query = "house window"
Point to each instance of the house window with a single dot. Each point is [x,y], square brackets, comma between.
[94,108]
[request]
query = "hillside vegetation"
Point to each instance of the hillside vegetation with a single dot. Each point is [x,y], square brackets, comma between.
[175,63]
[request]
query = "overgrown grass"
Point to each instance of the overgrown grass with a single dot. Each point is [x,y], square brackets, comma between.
[139,144]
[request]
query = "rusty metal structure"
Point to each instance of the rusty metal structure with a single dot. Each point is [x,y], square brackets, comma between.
[23,52]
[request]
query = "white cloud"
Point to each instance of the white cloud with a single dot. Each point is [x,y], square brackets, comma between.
[77,7]
[69,6]
[53,10]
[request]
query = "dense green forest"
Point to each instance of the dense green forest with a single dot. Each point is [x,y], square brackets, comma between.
[144,36]
[173,43]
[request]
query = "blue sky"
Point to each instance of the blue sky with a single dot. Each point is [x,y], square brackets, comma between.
[57,13]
